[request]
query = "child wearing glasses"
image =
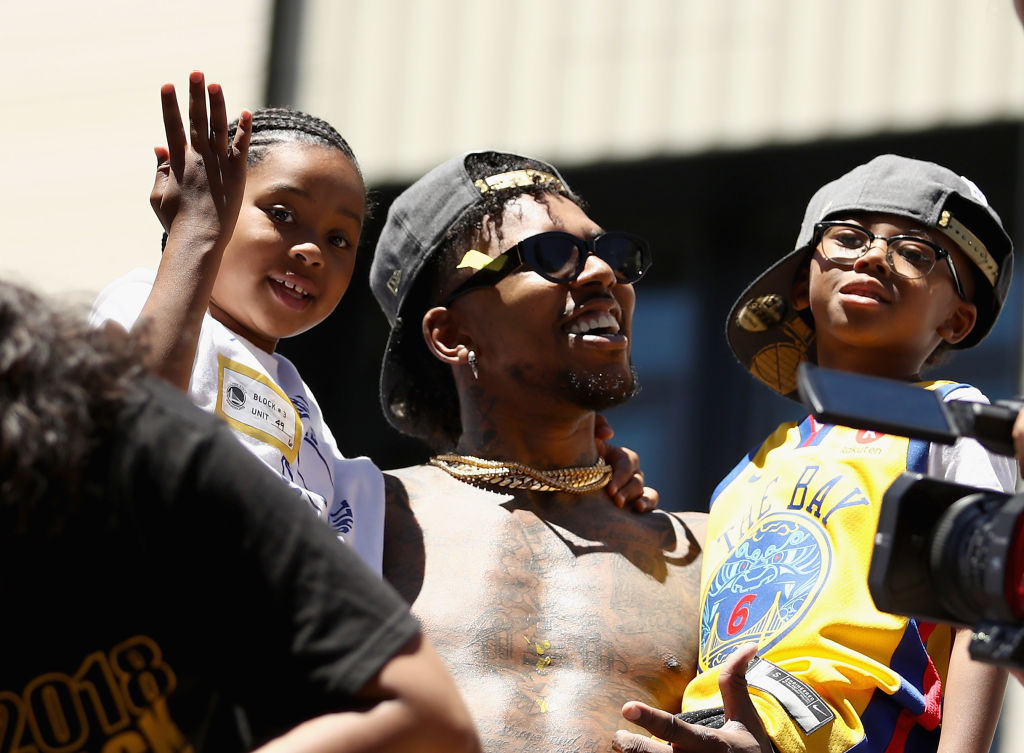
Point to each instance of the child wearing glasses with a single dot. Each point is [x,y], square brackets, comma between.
[897,261]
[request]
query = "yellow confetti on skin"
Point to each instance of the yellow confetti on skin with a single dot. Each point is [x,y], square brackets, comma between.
[540,648]
[542,705]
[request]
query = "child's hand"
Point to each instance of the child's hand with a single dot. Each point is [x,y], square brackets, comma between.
[627,482]
[200,180]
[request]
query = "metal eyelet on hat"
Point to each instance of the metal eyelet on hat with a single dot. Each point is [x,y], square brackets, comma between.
[761,313]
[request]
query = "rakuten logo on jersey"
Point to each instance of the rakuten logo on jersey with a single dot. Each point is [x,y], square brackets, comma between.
[867,436]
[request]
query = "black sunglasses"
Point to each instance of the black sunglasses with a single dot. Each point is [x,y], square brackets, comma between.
[560,257]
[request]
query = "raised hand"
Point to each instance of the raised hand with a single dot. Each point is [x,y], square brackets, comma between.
[200,179]
[742,732]
[197,194]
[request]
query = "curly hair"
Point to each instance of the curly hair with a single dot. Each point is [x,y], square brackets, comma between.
[61,385]
[431,395]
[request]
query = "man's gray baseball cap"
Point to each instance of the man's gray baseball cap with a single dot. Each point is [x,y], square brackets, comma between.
[770,337]
[415,230]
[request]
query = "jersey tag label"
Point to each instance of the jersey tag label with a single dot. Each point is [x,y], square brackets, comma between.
[255,406]
[800,701]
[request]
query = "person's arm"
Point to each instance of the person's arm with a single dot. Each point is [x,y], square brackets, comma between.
[972,701]
[197,194]
[417,709]
[973,691]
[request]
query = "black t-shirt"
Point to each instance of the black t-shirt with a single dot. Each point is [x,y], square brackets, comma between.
[191,601]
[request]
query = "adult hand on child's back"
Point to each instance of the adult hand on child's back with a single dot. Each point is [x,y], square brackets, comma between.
[200,179]
[742,732]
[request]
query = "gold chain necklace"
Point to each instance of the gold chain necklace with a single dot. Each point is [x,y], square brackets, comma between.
[577,480]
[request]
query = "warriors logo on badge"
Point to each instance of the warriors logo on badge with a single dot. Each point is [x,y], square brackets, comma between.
[234,395]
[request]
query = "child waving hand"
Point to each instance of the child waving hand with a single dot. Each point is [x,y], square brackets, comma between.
[263,218]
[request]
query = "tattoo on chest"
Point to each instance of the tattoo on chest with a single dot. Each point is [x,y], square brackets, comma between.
[550,620]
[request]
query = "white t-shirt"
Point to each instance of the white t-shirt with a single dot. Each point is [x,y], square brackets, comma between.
[966,461]
[272,412]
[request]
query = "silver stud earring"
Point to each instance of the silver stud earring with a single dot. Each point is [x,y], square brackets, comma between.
[472,364]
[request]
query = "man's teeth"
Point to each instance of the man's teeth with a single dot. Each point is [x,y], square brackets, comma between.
[603,321]
[293,286]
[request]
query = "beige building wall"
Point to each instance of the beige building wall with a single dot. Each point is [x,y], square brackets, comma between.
[80,98]
[414,81]
[411,82]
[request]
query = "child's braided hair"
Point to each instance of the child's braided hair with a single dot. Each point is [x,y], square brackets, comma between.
[278,125]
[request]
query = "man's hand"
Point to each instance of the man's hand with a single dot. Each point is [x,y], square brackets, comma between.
[200,179]
[742,733]
[627,482]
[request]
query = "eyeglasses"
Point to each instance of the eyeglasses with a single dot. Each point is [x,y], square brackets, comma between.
[908,256]
[560,257]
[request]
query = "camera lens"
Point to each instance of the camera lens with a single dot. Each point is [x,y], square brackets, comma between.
[977,558]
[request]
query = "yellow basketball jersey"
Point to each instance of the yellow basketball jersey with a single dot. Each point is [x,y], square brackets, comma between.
[786,560]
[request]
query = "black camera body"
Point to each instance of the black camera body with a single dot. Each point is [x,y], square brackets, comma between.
[944,552]
[951,553]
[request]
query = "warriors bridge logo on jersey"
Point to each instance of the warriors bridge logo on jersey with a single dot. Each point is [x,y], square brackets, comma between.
[768,582]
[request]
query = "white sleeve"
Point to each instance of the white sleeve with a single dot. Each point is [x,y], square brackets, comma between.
[122,300]
[362,483]
[967,462]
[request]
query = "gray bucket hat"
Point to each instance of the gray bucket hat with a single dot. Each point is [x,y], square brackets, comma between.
[415,230]
[770,337]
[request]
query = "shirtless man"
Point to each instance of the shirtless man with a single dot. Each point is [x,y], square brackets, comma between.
[511,317]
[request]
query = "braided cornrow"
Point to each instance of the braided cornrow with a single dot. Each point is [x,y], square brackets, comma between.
[278,125]
[492,204]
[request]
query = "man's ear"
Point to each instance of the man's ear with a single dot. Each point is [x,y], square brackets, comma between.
[959,323]
[444,337]
[801,295]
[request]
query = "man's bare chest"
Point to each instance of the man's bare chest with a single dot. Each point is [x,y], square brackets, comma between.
[548,609]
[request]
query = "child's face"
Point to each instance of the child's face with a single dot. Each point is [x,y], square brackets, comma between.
[290,258]
[870,320]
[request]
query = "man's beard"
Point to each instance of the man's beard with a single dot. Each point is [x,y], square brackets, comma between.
[599,390]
